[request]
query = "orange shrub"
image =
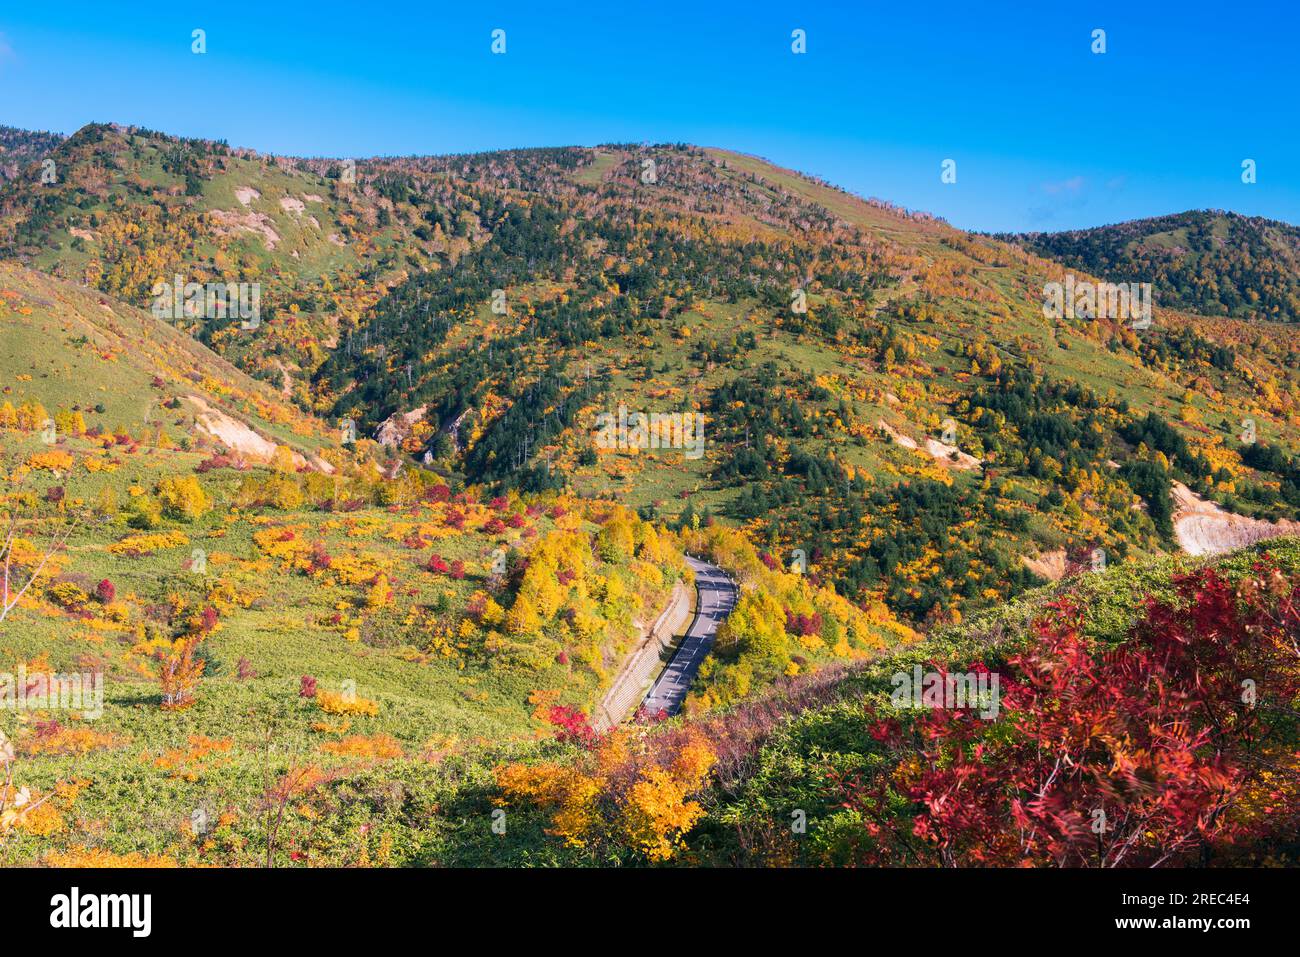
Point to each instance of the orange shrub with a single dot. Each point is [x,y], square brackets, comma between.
[631,790]
[98,857]
[71,740]
[332,702]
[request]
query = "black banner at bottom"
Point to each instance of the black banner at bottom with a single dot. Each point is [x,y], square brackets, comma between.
[337,907]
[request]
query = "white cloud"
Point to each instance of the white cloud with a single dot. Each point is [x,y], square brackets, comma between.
[1066,194]
[1071,185]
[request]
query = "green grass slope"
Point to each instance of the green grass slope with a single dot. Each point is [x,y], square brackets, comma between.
[73,350]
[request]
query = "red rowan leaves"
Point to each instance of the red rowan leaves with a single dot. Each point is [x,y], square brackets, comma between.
[1132,755]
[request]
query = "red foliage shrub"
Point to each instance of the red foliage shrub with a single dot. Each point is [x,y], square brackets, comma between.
[1151,752]
[307,687]
[45,730]
[475,607]
[105,591]
[803,625]
[320,558]
[645,716]
[572,726]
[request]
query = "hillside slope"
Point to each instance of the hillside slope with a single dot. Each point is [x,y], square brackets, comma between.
[853,767]
[20,149]
[863,415]
[133,207]
[883,393]
[1210,262]
[873,393]
[71,350]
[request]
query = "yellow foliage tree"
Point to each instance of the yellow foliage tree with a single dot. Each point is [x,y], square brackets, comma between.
[182,498]
[380,594]
[523,618]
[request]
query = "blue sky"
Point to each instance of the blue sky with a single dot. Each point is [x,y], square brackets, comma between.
[1045,133]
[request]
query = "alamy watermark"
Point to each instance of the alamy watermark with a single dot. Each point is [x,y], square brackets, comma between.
[75,909]
[48,691]
[654,430]
[208,300]
[1098,300]
[935,689]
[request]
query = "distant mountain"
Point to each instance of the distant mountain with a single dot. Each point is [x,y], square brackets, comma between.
[130,207]
[883,397]
[1205,261]
[19,148]
[417,518]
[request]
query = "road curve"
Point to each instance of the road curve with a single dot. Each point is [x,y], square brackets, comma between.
[716,596]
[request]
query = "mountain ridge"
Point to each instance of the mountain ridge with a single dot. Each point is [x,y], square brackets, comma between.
[539,379]
[1212,262]
[833,342]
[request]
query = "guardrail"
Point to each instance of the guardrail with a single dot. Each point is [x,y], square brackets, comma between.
[637,674]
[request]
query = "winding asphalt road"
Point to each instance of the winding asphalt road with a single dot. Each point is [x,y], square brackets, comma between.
[716,596]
